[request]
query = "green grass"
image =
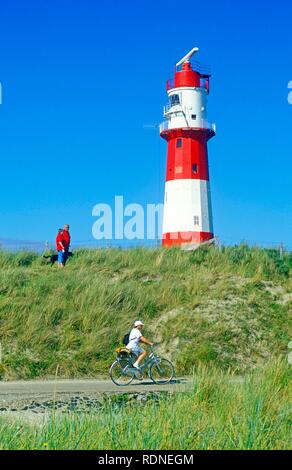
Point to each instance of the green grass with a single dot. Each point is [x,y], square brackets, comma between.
[226,308]
[219,413]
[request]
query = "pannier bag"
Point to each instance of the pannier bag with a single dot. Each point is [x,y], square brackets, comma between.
[122,351]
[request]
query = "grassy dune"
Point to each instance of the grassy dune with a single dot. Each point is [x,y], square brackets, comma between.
[226,308]
[217,414]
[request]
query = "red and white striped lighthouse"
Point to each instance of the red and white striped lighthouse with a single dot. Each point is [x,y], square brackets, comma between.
[187,214]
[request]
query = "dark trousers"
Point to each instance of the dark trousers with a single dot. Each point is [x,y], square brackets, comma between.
[65,256]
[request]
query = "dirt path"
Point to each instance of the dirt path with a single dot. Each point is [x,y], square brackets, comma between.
[52,389]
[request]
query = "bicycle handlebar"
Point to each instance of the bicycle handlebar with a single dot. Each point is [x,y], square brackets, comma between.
[155,345]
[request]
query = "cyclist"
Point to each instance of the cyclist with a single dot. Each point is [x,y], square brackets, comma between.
[135,338]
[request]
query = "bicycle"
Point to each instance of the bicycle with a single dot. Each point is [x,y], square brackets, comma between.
[122,372]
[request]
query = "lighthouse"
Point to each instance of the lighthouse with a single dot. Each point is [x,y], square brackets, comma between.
[187,216]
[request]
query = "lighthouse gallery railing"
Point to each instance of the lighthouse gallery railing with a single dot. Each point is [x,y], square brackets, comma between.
[200,124]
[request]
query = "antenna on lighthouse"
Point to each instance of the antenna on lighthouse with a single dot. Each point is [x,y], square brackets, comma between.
[188,56]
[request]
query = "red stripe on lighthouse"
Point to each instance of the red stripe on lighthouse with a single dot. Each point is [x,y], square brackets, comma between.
[177,238]
[187,153]
[187,158]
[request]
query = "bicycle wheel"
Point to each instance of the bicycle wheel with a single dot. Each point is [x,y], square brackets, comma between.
[119,375]
[162,371]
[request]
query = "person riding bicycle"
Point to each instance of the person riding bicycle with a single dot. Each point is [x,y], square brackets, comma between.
[135,338]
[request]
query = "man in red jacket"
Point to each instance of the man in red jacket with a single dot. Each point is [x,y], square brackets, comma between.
[66,239]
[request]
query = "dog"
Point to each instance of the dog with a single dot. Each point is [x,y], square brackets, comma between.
[54,258]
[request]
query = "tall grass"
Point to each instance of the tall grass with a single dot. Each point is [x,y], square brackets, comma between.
[219,413]
[229,307]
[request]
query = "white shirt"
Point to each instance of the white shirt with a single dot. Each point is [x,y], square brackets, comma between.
[134,339]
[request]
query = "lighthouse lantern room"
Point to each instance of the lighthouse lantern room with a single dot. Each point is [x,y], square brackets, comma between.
[187,214]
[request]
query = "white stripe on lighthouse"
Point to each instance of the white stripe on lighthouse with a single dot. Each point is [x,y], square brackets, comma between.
[187,206]
[191,110]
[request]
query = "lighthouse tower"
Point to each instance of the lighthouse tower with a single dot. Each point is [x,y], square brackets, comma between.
[187,214]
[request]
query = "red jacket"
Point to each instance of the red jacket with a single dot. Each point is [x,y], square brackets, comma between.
[58,240]
[66,239]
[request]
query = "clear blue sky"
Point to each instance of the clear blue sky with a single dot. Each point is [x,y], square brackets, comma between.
[81,78]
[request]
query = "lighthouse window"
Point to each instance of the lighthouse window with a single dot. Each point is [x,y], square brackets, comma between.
[195,167]
[174,100]
[196,220]
[179,143]
[194,117]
